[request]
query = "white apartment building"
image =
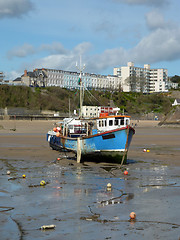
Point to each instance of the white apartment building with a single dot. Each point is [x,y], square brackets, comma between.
[144,79]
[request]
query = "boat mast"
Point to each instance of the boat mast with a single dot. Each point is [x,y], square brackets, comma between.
[80,68]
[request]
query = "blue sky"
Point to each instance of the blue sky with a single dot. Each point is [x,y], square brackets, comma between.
[106,33]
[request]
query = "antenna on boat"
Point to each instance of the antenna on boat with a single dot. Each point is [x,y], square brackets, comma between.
[80,68]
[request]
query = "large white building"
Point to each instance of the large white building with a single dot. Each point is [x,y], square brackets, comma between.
[144,79]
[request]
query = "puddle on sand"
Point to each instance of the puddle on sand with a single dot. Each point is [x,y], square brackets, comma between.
[3,193]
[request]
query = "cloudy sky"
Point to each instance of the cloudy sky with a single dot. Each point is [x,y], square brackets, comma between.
[106,33]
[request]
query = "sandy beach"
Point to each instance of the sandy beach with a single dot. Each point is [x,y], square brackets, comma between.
[75,198]
[29,140]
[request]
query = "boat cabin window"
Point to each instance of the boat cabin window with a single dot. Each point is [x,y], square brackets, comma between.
[122,121]
[127,121]
[116,122]
[110,122]
[102,123]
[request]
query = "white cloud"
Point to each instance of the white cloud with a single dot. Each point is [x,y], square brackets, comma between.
[155,19]
[54,48]
[21,51]
[14,8]
[156,3]
[82,48]
[160,45]
[109,58]
[65,61]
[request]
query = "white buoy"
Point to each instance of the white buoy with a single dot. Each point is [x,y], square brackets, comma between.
[109,187]
[44,227]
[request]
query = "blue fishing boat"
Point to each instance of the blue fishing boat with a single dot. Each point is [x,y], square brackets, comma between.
[106,137]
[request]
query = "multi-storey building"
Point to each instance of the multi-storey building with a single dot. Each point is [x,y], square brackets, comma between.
[69,80]
[144,80]
[1,77]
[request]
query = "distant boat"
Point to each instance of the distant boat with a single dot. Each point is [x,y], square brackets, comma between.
[106,137]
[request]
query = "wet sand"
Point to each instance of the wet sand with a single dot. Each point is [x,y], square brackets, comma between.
[76,199]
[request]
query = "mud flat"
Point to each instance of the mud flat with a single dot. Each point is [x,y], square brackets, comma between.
[75,198]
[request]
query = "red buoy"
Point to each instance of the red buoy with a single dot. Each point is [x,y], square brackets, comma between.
[125,172]
[55,129]
[132,215]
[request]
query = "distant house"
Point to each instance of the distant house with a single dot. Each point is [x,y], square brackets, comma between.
[17,81]
[34,79]
[176,102]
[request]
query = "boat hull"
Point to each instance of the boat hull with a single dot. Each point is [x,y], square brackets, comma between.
[109,146]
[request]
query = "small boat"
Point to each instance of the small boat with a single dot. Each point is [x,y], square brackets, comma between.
[106,137]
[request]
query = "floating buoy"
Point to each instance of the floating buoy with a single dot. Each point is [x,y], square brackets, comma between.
[109,186]
[132,215]
[148,150]
[58,134]
[125,172]
[24,176]
[44,227]
[55,129]
[42,183]
[58,159]
[144,150]
[8,172]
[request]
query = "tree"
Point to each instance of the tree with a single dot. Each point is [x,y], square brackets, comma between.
[136,83]
[175,79]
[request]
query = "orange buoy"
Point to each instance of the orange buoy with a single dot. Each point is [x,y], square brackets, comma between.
[132,215]
[55,129]
[58,134]
[125,172]
[58,159]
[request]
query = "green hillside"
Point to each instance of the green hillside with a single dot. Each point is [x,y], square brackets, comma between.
[58,99]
